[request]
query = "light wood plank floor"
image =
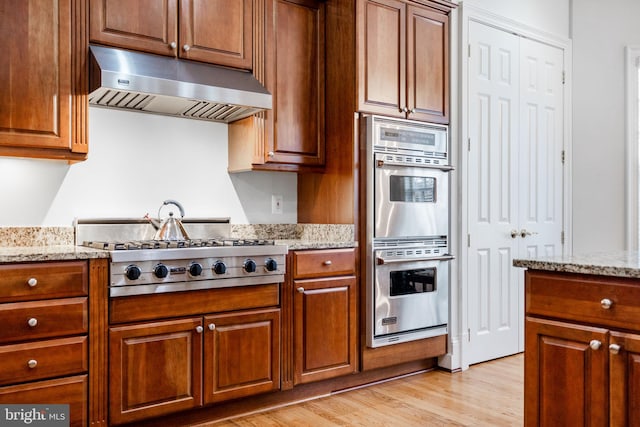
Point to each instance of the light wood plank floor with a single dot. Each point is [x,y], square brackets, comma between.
[487,394]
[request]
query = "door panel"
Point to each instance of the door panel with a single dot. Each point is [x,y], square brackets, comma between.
[624,379]
[382,57]
[515,182]
[492,282]
[566,378]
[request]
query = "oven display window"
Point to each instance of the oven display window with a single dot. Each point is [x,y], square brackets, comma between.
[408,136]
[412,189]
[418,281]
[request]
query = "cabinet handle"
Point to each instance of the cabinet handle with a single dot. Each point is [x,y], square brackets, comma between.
[300,289]
[32,363]
[405,110]
[606,303]
[327,262]
[413,111]
[212,326]
[173,45]
[514,234]
[614,348]
[32,282]
[33,322]
[524,233]
[595,344]
[186,48]
[199,329]
[271,154]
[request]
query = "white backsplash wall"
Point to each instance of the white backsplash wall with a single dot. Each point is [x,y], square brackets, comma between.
[135,162]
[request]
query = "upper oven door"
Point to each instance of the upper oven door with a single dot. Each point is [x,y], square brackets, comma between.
[409,201]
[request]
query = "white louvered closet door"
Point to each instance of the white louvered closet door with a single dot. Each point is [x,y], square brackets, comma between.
[514,180]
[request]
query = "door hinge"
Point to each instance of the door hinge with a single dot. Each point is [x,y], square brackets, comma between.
[469,144]
[469,50]
[469,334]
[562,237]
[563,76]
[563,156]
[468,240]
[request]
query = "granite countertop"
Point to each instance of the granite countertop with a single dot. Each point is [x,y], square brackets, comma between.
[49,253]
[31,244]
[618,264]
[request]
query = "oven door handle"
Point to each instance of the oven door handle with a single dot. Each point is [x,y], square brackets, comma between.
[444,168]
[382,261]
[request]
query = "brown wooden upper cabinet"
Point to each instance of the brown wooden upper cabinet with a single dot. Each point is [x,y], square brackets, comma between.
[290,62]
[213,31]
[43,79]
[403,60]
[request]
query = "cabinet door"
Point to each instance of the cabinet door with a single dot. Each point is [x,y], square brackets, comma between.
[381,46]
[217,32]
[242,354]
[154,369]
[566,374]
[427,65]
[295,77]
[43,78]
[624,368]
[145,25]
[324,328]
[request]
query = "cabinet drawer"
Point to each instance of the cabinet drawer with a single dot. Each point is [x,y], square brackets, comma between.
[71,391]
[321,263]
[42,359]
[23,321]
[25,282]
[580,298]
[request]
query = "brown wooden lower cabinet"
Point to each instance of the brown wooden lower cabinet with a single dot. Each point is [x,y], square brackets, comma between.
[581,372]
[325,328]
[70,390]
[162,367]
[241,354]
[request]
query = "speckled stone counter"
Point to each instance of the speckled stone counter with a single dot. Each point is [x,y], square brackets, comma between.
[618,264]
[24,244]
[48,253]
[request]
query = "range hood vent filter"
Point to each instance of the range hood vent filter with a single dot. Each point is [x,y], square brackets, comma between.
[163,85]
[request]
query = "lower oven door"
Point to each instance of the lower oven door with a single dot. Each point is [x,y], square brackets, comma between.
[409,201]
[410,300]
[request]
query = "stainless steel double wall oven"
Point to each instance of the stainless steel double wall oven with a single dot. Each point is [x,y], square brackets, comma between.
[407,230]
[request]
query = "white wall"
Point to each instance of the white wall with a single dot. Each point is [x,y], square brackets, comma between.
[549,16]
[599,37]
[136,161]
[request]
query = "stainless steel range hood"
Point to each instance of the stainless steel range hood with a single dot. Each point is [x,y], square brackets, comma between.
[163,85]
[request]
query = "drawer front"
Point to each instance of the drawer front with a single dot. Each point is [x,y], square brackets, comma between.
[323,263]
[25,321]
[71,391]
[27,282]
[584,298]
[43,359]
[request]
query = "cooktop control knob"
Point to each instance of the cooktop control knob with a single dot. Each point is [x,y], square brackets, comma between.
[132,272]
[250,266]
[219,267]
[161,271]
[195,269]
[271,264]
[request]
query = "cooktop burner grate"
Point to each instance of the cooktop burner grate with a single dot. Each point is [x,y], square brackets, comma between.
[174,244]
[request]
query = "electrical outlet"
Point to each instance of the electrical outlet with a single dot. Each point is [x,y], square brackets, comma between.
[276,204]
